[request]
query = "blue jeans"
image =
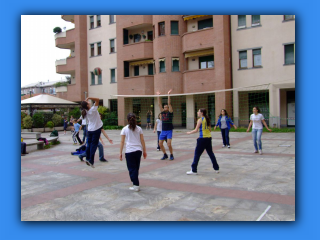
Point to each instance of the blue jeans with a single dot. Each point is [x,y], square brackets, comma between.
[92,144]
[85,132]
[256,137]
[101,153]
[225,136]
[204,144]
[133,165]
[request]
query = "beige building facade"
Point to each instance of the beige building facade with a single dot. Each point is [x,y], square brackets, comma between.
[263,53]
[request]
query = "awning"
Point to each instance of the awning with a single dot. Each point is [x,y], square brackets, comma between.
[144,62]
[175,59]
[193,16]
[161,60]
[199,53]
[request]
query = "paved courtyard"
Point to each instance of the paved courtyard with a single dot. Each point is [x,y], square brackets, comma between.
[56,186]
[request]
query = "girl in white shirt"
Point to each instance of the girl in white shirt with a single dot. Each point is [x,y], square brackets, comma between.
[158,126]
[91,114]
[256,119]
[135,146]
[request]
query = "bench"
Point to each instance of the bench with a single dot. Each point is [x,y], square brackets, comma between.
[37,135]
[40,144]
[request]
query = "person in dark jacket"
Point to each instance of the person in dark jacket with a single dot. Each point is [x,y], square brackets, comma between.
[225,123]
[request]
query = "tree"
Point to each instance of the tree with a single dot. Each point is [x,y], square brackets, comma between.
[27,122]
[56,119]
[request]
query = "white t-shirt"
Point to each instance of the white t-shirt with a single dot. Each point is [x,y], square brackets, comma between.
[133,142]
[159,125]
[84,120]
[256,120]
[93,117]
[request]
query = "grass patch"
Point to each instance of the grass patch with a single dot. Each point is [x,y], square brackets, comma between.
[47,146]
[55,142]
[112,127]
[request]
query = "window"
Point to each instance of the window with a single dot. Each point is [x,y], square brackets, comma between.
[113,75]
[175,64]
[288,17]
[289,54]
[91,22]
[243,59]
[92,79]
[241,21]
[255,20]
[92,50]
[161,29]
[207,23]
[112,50]
[111,19]
[113,105]
[206,62]
[162,65]
[98,21]
[100,79]
[136,70]
[256,57]
[174,28]
[99,48]
[137,38]
[150,69]
[150,35]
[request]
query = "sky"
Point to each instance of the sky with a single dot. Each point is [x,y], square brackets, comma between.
[38,50]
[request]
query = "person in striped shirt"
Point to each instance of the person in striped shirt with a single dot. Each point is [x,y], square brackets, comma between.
[204,142]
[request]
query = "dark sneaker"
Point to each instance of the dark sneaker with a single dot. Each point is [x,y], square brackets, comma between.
[81,159]
[165,156]
[171,157]
[103,160]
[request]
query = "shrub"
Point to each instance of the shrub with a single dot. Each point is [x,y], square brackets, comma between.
[103,111]
[56,119]
[47,116]
[75,113]
[110,119]
[50,124]
[55,142]
[57,30]
[27,122]
[38,120]
[23,115]
[60,84]
[47,146]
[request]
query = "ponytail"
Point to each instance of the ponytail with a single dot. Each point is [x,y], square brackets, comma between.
[204,112]
[84,106]
[132,121]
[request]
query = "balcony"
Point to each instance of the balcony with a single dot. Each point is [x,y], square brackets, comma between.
[66,39]
[127,21]
[68,18]
[66,66]
[207,80]
[62,89]
[200,39]
[139,85]
[135,51]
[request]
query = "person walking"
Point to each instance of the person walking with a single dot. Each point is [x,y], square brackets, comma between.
[225,123]
[135,145]
[256,121]
[84,127]
[204,142]
[94,127]
[75,136]
[167,126]
[65,125]
[149,115]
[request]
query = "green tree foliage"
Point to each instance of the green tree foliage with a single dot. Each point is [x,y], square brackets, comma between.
[56,119]
[27,122]
[38,120]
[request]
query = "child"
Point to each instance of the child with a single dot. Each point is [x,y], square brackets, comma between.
[134,147]
[158,126]
[225,123]
[65,125]
[204,142]
[75,136]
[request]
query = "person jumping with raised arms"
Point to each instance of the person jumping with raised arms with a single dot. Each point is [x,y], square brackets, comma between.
[167,126]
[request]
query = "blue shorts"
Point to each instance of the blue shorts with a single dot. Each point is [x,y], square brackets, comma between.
[166,135]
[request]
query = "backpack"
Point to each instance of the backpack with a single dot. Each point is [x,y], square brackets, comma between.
[54,133]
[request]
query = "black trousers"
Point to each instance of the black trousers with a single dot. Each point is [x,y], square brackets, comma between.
[133,164]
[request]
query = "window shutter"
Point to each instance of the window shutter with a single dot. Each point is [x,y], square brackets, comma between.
[241,20]
[174,27]
[243,55]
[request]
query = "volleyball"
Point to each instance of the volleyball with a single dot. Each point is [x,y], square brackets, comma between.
[97,71]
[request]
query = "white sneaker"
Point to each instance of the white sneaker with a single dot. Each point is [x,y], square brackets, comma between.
[260,152]
[223,145]
[228,146]
[216,171]
[135,188]
[191,173]
[256,151]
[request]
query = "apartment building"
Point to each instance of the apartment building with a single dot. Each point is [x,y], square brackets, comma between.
[263,53]
[185,53]
[41,87]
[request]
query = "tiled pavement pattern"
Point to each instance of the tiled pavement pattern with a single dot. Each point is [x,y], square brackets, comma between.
[56,186]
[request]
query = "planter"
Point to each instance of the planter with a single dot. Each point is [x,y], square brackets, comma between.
[26,130]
